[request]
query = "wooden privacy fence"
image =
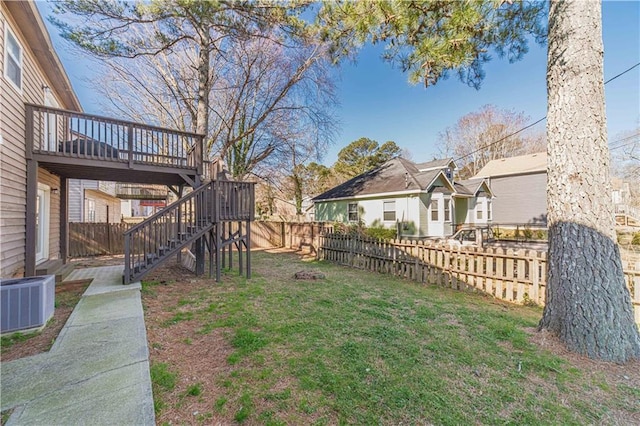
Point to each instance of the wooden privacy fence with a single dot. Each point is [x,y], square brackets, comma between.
[94,239]
[517,276]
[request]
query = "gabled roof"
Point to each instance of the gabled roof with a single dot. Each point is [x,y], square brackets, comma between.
[471,187]
[396,175]
[436,165]
[26,15]
[523,164]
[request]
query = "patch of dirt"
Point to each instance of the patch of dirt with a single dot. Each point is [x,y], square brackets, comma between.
[609,374]
[68,295]
[628,373]
[95,261]
[196,358]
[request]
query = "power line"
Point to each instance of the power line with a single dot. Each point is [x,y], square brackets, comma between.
[622,73]
[540,120]
[623,145]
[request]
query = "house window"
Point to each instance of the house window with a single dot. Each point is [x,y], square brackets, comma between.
[434,210]
[91,210]
[489,210]
[12,59]
[389,210]
[447,210]
[353,212]
[479,211]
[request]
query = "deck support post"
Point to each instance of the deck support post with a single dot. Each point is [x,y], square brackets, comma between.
[199,243]
[248,246]
[64,220]
[31,213]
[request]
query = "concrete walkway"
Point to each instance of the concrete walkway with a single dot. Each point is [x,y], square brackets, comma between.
[97,372]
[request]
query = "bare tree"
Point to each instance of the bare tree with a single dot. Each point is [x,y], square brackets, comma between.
[486,135]
[237,72]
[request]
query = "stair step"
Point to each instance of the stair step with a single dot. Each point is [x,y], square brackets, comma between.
[55,267]
[64,272]
[49,267]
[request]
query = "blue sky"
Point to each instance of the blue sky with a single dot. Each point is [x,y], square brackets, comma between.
[377,101]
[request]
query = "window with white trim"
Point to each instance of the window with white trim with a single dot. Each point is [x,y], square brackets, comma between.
[489,210]
[435,206]
[12,59]
[479,210]
[91,210]
[389,210]
[353,212]
[447,210]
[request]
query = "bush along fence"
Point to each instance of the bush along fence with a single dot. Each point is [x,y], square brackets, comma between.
[517,276]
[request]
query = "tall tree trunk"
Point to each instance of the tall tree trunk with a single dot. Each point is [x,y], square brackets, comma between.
[202,111]
[588,304]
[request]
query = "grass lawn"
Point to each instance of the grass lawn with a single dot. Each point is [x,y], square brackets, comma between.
[362,348]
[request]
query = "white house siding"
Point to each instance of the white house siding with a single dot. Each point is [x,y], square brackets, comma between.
[101,193]
[13,176]
[107,207]
[519,199]
[436,228]
[76,192]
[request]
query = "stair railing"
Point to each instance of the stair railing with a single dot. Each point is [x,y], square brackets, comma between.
[164,233]
[161,235]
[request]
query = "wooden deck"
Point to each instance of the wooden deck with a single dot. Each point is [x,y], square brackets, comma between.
[84,146]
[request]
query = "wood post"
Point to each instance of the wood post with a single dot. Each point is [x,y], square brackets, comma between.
[64,220]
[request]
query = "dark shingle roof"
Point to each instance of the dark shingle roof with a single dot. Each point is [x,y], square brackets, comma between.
[434,164]
[397,174]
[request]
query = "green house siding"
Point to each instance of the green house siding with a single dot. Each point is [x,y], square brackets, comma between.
[461,208]
[425,199]
[332,211]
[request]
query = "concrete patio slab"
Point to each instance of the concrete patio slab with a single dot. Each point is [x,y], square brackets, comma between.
[97,372]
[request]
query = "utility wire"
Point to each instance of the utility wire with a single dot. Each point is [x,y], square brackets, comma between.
[540,120]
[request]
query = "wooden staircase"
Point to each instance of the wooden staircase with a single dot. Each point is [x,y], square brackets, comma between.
[197,217]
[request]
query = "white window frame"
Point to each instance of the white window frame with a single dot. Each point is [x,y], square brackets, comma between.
[489,210]
[385,210]
[479,210]
[8,53]
[349,212]
[436,210]
[91,210]
[43,223]
[448,210]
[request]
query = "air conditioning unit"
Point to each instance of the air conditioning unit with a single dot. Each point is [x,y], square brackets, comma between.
[26,303]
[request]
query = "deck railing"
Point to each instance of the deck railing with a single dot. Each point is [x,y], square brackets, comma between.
[129,191]
[59,132]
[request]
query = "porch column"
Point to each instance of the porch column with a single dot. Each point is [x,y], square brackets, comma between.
[64,220]
[30,222]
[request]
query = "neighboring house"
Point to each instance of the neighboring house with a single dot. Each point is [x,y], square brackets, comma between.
[93,201]
[422,200]
[30,72]
[626,213]
[519,185]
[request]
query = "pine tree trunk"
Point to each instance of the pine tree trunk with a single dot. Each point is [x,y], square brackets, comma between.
[588,304]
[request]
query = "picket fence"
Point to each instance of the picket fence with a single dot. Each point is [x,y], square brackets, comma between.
[517,276]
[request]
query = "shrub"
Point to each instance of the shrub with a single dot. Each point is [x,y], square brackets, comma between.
[381,233]
[636,239]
